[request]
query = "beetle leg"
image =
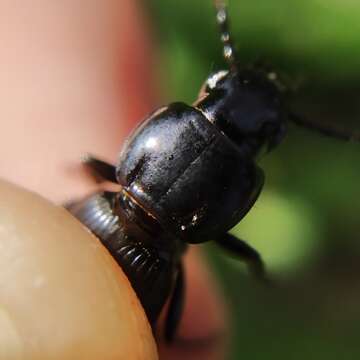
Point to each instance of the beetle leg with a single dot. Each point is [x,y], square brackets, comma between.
[245,252]
[325,129]
[100,170]
[176,306]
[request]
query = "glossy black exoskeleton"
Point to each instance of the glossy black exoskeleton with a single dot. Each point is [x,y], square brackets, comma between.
[188,174]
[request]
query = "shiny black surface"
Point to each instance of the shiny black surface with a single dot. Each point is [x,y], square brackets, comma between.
[248,107]
[190,176]
[186,176]
[147,255]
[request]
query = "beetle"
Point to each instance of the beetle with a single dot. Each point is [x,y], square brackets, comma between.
[187,175]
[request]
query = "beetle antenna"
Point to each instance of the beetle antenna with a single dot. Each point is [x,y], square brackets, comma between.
[223,21]
[328,130]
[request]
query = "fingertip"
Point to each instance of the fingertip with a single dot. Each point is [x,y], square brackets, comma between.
[62,296]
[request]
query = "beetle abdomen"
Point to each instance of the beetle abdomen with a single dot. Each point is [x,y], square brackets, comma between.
[150,273]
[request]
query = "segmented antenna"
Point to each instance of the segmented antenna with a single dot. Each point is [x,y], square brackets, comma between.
[223,21]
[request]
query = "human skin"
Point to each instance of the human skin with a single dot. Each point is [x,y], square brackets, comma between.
[62,299]
[75,77]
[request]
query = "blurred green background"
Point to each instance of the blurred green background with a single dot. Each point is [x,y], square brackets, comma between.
[306,223]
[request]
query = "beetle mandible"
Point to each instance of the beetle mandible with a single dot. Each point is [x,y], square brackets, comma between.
[188,174]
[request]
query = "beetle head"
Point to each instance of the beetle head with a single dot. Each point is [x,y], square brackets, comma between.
[245,105]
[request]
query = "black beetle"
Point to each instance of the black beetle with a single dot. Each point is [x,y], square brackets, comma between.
[188,174]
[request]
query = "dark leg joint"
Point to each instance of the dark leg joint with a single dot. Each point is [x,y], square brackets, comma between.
[100,170]
[245,253]
[176,305]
